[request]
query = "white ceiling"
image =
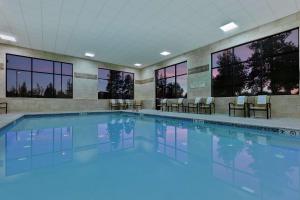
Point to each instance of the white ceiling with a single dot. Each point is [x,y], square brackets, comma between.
[132,31]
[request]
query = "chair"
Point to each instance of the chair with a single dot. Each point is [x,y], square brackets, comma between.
[113,104]
[129,103]
[3,105]
[208,105]
[178,104]
[138,104]
[240,103]
[122,104]
[195,105]
[163,104]
[261,103]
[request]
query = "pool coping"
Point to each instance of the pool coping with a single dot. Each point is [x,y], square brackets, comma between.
[260,124]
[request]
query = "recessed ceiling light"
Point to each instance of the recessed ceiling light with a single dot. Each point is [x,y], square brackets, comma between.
[8,38]
[137,64]
[91,55]
[165,53]
[228,27]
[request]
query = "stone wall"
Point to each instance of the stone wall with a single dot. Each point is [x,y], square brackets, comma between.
[199,83]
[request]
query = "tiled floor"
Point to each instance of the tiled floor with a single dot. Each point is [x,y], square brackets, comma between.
[281,123]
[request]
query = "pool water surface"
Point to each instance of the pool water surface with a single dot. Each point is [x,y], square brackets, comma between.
[128,156]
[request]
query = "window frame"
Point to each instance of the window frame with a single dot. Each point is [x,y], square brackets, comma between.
[231,65]
[110,79]
[174,94]
[31,73]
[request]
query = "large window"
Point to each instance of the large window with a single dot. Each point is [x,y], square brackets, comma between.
[265,66]
[171,81]
[33,77]
[115,84]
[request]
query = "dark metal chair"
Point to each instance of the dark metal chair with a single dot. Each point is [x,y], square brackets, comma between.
[208,105]
[261,103]
[195,105]
[240,103]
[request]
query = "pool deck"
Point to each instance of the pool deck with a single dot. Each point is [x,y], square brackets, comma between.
[278,123]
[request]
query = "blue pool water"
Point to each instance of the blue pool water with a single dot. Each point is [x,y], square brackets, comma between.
[126,156]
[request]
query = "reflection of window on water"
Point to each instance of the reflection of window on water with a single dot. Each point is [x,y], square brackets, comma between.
[172,141]
[116,135]
[250,165]
[26,150]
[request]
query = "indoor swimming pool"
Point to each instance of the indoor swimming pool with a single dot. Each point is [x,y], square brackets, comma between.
[124,156]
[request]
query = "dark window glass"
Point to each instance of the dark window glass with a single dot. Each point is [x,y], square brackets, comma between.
[39,65]
[103,85]
[104,73]
[170,71]
[103,89]
[170,87]
[160,74]
[33,77]
[181,68]
[67,69]
[286,42]
[23,84]
[11,83]
[222,58]
[128,87]
[171,82]
[42,85]
[57,67]
[115,84]
[18,62]
[160,86]
[57,86]
[67,86]
[266,66]
[282,74]
[243,53]
[181,86]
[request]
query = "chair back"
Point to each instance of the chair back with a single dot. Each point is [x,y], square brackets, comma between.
[180,100]
[128,101]
[164,101]
[262,100]
[113,101]
[209,100]
[138,102]
[241,100]
[198,100]
[120,101]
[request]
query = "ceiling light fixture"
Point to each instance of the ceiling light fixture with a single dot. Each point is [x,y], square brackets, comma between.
[91,55]
[165,53]
[137,64]
[8,38]
[228,27]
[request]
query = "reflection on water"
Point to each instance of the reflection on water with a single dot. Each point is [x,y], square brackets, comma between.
[242,163]
[32,149]
[257,165]
[172,141]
